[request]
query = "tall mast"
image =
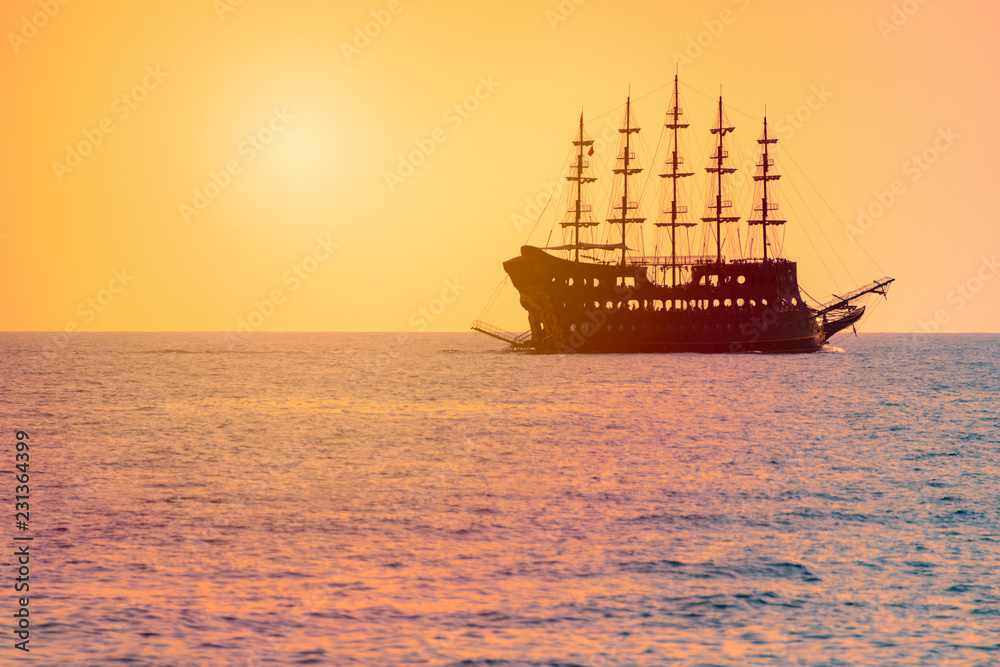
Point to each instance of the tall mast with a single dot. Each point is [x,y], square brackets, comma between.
[580,208]
[764,177]
[627,170]
[719,170]
[674,162]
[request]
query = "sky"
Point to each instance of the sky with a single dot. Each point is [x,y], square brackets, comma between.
[222,165]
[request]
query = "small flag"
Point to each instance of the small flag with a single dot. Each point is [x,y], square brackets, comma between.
[591,152]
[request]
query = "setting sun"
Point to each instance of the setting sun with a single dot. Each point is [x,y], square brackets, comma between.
[205,145]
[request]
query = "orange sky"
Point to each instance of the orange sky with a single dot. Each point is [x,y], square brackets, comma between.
[193,164]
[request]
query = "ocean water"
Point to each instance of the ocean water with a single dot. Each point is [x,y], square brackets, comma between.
[428,499]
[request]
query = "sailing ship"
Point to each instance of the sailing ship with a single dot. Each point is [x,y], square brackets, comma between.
[604,297]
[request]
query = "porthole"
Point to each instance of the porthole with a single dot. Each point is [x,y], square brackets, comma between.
[795,302]
[763,302]
[729,302]
[715,303]
[741,279]
[740,302]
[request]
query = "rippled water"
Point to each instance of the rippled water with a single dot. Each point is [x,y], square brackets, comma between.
[387,499]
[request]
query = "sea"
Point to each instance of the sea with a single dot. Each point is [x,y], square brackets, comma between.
[397,499]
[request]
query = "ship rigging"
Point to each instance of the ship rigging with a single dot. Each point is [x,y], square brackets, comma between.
[704,303]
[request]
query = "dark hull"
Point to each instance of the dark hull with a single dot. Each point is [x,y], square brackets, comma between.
[844,320]
[577,307]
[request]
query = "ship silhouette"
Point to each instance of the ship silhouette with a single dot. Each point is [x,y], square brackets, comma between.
[605,297]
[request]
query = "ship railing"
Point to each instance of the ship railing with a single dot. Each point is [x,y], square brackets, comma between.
[598,260]
[757,260]
[520,341]
[666,260]
[880,286]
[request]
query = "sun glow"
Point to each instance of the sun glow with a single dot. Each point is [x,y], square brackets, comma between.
[258,134]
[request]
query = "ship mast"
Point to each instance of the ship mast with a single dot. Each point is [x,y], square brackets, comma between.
[674,162]
[764,177]
[719,170]
[627,170]
[580,208]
